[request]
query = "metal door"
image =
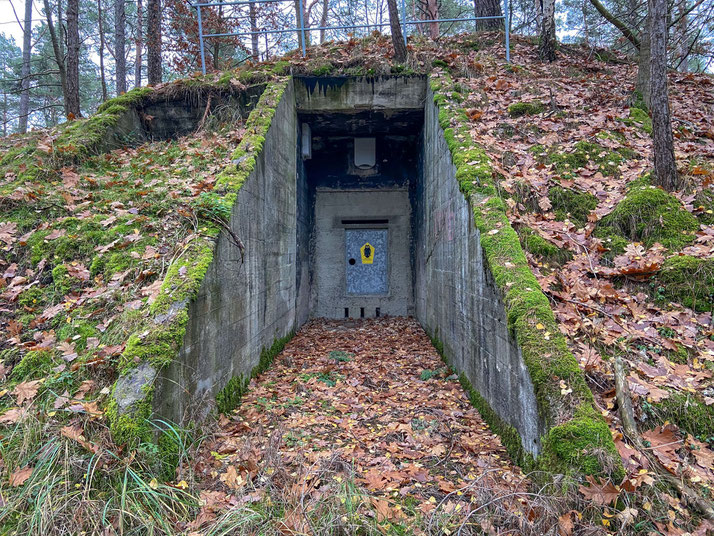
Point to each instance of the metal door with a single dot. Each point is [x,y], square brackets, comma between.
[366,261]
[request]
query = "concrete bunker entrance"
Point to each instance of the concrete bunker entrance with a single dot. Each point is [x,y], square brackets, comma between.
[360,146]
[352,209]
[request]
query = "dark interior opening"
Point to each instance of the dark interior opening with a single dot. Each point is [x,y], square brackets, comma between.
[335,191]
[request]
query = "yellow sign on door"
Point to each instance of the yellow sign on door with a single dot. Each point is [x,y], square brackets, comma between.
[367,253]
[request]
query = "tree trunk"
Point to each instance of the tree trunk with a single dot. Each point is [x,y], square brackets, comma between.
[400,49]
[26,53]
[59,54]
[548,42]
[586,28]
[139,42]
[253,16]
[617,23]
[488,8]
[665,168]
[120,45]
[61,34]
[323,19]
[72,97]
[682,48]
[102,76]
[432,13]
[153,41]
[642,87]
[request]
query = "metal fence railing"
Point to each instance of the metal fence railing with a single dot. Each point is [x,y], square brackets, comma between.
[301,29]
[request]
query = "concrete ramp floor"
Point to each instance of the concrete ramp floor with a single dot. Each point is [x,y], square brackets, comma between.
[365,408]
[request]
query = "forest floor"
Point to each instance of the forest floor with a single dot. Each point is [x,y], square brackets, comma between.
[367,404]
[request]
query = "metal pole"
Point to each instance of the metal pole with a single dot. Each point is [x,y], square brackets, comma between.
[200,39]
[508,32]
[404,21]
[302,30]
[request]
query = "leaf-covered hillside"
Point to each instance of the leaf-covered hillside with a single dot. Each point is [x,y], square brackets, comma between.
[94,243]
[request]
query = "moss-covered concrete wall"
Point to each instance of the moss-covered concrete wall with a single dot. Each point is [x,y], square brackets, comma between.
[457,300]
[248,297]
[575,438]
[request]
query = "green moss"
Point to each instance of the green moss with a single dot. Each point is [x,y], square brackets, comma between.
[648,214]
[519,109]
[539,246]
[257,125]
[320,68]
[705,200]
[612,135]
[132,428]
[639,118]
[230,396]
[689,281]
[281,68]
[62,281]
[569,204]
[78,330]
[688,410]
[582,154]
[34,364]
[585,443]
[128,99]
[565,402]
[614,243]
[31,297]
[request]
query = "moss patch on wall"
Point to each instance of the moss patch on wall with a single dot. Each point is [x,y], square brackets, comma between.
[648,214]
[67,142]
[578,439]
[230,396]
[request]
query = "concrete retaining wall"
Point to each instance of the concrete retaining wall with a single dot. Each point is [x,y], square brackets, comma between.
[243,304]
[455,295]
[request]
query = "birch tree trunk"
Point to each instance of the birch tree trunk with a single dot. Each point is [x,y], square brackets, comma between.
[253,16]
[139,42]
[120,45]
[548,42]
[26,54]
[153,42]
[72,96]
[665,167]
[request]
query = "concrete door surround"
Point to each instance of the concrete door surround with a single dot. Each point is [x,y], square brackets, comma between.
[336,212]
